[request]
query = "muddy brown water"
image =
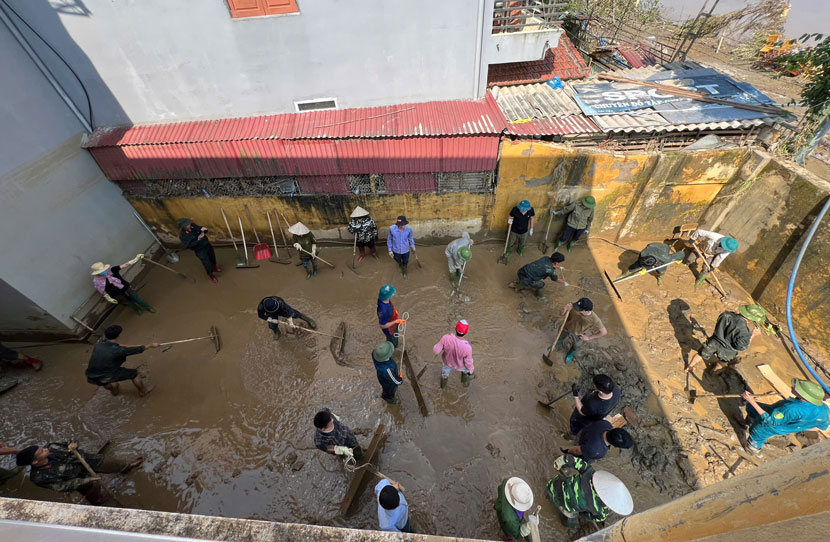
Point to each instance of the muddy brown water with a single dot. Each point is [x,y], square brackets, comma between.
[231,434]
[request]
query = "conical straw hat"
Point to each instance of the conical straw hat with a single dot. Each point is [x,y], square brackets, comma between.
[298,229]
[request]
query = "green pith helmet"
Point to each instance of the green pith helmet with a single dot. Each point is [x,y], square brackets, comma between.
[729,244]
[809,391]
[386,292]
[465,253]
[383,351]
[756,313]
[589,202]
[182,223]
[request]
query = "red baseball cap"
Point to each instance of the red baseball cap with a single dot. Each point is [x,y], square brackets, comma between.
[462,327]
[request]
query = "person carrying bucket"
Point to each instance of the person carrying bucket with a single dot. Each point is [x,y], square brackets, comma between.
[580,216]
[458,253]
[521,225]
[388,314]
[363,226]
[306,245]
[112,286]
[195,238]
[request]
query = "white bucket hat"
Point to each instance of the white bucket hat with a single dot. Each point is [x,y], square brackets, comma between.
[359,211]
[298,229]
[612,491]
[518,494]
[99,267]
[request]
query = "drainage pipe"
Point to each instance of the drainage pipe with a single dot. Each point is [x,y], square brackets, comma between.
[44,69]
[791,287]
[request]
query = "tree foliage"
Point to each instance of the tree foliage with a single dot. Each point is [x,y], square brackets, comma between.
[815,61]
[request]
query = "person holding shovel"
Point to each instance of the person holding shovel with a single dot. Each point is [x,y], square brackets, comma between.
[654,255]
[112,286]
[399,242]
[15,358]
[716,247]
[593,494]
[363,226]
[521,226]
[271,308]
[583,325]
[594,405]
[335,438]
[105,368]
[805,411]
[388,314]
[513,503]
[732,335]
[56,467]
[306,245]
[387,371]
[580,216]
[195,238]
[533,275]
[458,253]
[456,353]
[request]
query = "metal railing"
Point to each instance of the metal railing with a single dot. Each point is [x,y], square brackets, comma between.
[523,15]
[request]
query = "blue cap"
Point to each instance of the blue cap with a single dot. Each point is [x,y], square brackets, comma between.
[729,244]
[524,205]
[386,292]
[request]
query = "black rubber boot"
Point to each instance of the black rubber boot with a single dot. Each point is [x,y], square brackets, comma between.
[277,333]
[308,320]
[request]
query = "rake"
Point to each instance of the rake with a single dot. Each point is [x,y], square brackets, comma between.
[214,336]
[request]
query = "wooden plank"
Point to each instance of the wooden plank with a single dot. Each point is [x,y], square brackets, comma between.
[783,388]
[357,479]
[416,386]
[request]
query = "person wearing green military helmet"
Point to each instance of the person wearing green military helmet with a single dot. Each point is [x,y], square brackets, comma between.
[387,371]
[715,247]
[580,216]
[458,253]
[804,411]
[732,335]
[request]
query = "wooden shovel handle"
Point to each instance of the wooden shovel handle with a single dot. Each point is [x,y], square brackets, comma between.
[562,327]
[318,257]
[86,465]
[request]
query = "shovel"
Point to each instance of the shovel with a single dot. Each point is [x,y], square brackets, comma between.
[503,259]
[282,233]
[261,250]
[545,357]
[550,404]
[244,246]
[318,257]
[240,262]
[182,275]
[274,239]
[711,269]
[693,395]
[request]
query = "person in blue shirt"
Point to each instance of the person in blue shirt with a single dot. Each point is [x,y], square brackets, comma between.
[805,411]
[393,510]
[387,370]
[399,242]
[596,438]
[387,314]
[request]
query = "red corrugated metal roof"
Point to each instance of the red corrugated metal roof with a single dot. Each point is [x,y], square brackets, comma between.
[564,61]
[431,119]
[637,57]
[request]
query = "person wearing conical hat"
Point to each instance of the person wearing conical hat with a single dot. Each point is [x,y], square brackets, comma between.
[804,411]
[520,220]
[363,226]
[513,503]
[115,289]
[592,494]
[458,253]
[715,248]
[306,245]
[195,238]
[733,333]
[580,216]
[387,371]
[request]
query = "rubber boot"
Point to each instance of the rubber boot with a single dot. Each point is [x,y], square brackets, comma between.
[558,345]
[452,278]
[35,364]
[362,253]
[374,253]
[701,279]
[137,299]
[277,333]
[571,245]
[570,356]
[403,271]
[659,280]
[311,323]
[558,244]
[213,278]
[308,269]
[520,250]
[314,266]
[507,254]
[466,378]
[444,380]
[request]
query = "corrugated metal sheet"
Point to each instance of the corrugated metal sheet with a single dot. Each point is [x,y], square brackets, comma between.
[539,109]
[447,118]
[275,157]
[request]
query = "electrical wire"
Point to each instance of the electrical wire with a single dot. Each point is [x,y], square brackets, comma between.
[62,59]
[791,287]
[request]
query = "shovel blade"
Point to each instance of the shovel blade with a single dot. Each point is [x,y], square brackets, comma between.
[262,252]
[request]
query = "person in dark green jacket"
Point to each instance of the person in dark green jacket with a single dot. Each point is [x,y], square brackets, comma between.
[655,255]
[513,502]
[593,494]
[195,238]
[105,368]
[580,216]
[732,335]
[533,275]
[306,245]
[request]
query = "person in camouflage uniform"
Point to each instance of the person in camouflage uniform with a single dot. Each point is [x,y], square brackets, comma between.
[56,467]
[594,494]
[655,255]
[580,216]
[732,335]
[533,274]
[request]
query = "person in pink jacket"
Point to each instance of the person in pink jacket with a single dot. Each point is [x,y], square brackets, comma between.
[457,354]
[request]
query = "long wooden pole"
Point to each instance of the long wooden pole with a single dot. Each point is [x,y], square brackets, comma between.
[182,275]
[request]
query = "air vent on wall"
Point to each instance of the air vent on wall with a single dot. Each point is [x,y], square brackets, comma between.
[316,105]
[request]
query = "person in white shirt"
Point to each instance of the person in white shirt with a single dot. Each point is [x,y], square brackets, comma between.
[715,248]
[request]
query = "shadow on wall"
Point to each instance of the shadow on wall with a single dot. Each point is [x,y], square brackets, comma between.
[40,22]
